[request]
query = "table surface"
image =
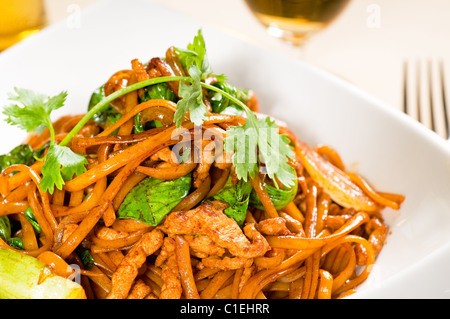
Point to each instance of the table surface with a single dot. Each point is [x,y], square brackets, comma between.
[366,45]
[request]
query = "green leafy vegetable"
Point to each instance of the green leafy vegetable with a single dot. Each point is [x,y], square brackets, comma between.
[195,54]
[195,61]
[5,228]
[256,134]
[104,103]
[30,216]
[279,197]
[139,127]
[22,154]
[34,113]
[152,199]
[221,104]
[108,115]
[260,135]
[86,257]
[61,164]
[16,242]
[237,197]
[6,231]
[158,91]
[36,109]
[192,99]
[243,141]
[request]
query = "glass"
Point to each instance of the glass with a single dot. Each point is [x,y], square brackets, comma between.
[294,21]
[19,19]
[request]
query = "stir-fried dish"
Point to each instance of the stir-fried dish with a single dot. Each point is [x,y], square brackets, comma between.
[172,185]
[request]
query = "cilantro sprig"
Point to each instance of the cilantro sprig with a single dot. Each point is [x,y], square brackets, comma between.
[258,135]
[195,61]
[32,113]
[191,99]
[195,55]
[255,135]
[262,135]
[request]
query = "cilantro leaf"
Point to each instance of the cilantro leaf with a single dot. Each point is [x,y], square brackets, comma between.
[243,141]
[191,99]
[260,135]
[196,54]
[222,105]
[35,110]
[32,112]
[195,61]
[61,164]
[275,151]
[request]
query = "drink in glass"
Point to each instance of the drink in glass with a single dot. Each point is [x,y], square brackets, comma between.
[295,20]
[19,19]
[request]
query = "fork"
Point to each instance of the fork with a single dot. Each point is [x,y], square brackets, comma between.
[424,94]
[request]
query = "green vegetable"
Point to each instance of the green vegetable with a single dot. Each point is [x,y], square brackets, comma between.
[6,231]
[22,154]
[159,91]
[280,197]
[220,104]
[260,134]
[237,196]
[86,257]
[109,115]
[106,116]
[192,99]
[139,128]
[30,216]
[152,199]
[25,277]
[195,61]
[5,228]
[16,242]
[60,162]
[60,165]
[195,54]
[104,103]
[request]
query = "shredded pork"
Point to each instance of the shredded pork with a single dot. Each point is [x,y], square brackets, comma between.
[209,220]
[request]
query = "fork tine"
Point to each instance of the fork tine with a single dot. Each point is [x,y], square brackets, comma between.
[405,87]
[411,89]
[438,109]
[431,101]
[419,95]
[424,94]
[444,100]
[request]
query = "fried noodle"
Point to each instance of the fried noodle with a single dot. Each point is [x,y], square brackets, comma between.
[316,246]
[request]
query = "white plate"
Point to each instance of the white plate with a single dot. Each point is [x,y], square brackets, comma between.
[392,151]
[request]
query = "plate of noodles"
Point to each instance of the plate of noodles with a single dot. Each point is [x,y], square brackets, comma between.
[149,156]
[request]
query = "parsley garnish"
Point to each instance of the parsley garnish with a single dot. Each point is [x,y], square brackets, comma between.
[61,163]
